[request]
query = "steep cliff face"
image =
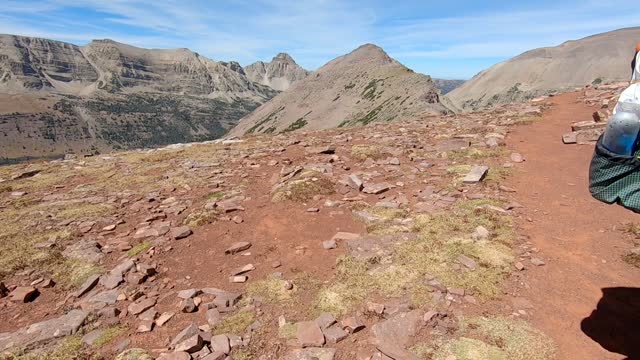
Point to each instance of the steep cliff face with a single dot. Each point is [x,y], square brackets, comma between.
[39,64]
[359,88]
[278,74]
[124,67]
[57,97]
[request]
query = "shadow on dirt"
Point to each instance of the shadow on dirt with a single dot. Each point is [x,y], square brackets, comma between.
[615,323]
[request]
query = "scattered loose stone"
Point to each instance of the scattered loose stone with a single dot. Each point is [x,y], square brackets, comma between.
[216,356]
[188,306]
[470,299]
[345,236]
[191,344]
[91,337]
[24,294]
[108,297]
[111,280]
[138,308]
[238,247]
[311,353]
[456,291]
[334,334]
[213,317]
[309,334]
[429,315]
[352,324]
[242,270]
[519,266]
[355,182]
[44,331]
[179,355]
[238,279]
[467,261]
[537,262]
[329,244]
[517,157]
[109,312]
[376,188]
[186,333]
[325,320]
[181,232]
[189,293]
[481,233]
[202,353]
[237,219]
[109,227]
[145,269]
[47,283]
[148,315]
[329,149]
[220,343]
[391,336]
[288,285]
[164,318]
[145,326]
[476,174]
[375,308]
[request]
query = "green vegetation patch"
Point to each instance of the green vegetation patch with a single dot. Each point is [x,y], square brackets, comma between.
[70,348]
[498,338]
[287,331]
[298,124]
[73,272]
[304,188]
[269,290]
[527,120]
[362,152]
[271,117]
[477,154]
[441,239]
[139,249]
[109,334]
[235,324]
[370,90]
[200,218]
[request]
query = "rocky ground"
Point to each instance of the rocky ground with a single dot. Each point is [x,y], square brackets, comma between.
[392,241]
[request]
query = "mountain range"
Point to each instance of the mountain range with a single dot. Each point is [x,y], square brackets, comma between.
[364,86]
[592,60]
[58,98]
[278,74]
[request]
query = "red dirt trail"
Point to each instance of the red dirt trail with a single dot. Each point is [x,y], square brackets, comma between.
[579,238]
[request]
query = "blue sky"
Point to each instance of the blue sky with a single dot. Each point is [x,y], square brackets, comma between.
[448,39]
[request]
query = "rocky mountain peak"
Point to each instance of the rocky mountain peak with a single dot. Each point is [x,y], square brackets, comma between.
[361,87]
[283,57]
[367,53]
[278,74]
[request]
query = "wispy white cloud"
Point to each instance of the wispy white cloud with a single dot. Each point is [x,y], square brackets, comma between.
[315,31]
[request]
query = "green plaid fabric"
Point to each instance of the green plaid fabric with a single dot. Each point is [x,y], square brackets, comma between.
[615,178]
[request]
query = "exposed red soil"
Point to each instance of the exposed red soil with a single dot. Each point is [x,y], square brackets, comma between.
[579,237]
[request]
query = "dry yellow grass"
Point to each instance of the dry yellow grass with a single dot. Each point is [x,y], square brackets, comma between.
[442,238]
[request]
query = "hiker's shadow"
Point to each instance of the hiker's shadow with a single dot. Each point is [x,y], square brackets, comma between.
[615,323]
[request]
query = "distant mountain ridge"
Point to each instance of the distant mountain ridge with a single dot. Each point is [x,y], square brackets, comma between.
[594,59]
[278,74]
[364,86]
[446,86]
[57,97]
